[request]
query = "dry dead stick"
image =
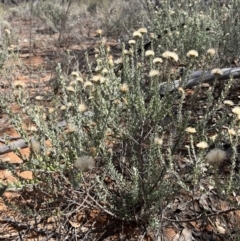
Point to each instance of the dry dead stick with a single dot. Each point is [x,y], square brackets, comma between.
[20,225]
[21,143]
[202,216]
[14,145]
[9,138]
[198,77]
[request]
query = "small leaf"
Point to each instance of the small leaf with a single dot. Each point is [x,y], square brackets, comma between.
[74,224]
[185,235]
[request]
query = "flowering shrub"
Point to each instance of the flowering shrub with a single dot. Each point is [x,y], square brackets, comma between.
[109,140]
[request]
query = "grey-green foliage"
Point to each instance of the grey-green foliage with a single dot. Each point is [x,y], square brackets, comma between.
[53,13]
[4,41]
[197,25]
[118,18]
[3,58]
[230,24]
[183,28]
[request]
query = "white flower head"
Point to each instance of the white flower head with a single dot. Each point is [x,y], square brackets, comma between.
[99,32]
[104,71]
[190,130]
[181,90]
[87,84]
[51,110]
[63,107]
[75,73]
[154,73]
[96,78]
[228,102]
[19,84]
[192,54]
[202,145]
[216,71]
[236,110]
[118,61]
[152,35]
[170,55]
[132,42]
[7,31]
[157,60]
[137,34]
[124,88]
[70,88]
[142,30]
[80,79]
[39,97]
[71,127]
[149,53]
[211,52]
[110,61]
[231,132]
[158,141]
[213,137]
[82,107]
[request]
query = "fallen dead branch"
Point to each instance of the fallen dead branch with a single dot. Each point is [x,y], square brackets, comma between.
[198,77]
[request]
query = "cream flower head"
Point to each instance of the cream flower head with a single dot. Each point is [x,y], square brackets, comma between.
[202,145]
[154,73]
[190,130]
[216,71]
[132,42]
[142,30]
[99,31]
[137,34]
[211,52]
[228,102]
[236,110]
[70,88]
[157,60]
[82,107]
[149,53]
[18,84]
[192,54]
[158,141]
[124,88]
[170,55]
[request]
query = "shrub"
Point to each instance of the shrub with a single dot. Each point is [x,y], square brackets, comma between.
[147,147]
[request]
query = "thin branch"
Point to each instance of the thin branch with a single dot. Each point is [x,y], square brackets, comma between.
[202,216]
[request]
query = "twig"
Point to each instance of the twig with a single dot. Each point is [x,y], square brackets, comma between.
[201,216]
[9,138]
[19,225]
[21,143]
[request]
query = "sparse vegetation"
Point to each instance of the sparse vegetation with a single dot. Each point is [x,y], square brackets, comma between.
[112,156]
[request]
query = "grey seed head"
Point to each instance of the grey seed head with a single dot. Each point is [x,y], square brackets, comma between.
[84,163]
[34,146]
[216,157]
